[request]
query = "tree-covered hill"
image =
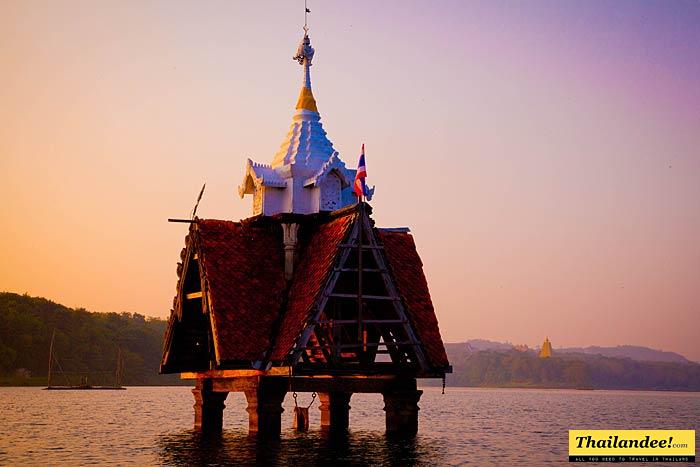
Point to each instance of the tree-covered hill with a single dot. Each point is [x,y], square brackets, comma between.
[634,352]
[86,343]
[511,368]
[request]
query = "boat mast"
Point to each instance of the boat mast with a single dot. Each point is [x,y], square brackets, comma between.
[53,338]
[118,374]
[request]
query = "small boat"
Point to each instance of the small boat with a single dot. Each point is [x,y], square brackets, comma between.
[84,385]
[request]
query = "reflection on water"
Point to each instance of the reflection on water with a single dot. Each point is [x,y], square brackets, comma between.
[312,448]
[149,426]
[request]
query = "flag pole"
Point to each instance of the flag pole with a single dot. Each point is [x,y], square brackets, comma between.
[361,221]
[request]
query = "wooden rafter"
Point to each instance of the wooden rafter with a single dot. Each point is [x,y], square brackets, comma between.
[393,335]
[323,299]
[366,321]
[398,303]
[191,303]
[369,344]
[367,297]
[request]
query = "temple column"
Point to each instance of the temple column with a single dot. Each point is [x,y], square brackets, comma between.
[335,410]
[265,407]
[401,407]
[208,407]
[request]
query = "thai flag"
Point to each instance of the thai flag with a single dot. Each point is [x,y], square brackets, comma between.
[360,188]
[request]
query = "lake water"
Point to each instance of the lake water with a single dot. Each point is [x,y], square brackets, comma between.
[147,426]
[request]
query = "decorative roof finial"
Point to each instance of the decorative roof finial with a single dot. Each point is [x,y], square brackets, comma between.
[304,55]
[306,15]
[305,51]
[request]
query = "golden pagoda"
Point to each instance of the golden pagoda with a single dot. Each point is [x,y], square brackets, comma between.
[546,350]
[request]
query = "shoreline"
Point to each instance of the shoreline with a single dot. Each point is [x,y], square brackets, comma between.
[420,386]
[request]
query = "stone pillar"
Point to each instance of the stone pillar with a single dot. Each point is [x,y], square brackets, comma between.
[265,407]
[401,409]
[208,407]
[335,410]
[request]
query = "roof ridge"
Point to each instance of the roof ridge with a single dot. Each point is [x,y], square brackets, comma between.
[204,221]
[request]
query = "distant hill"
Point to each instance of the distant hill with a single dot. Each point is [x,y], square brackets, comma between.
[483,344]
[641,354]
[634,352]
[86,343]
[498,367]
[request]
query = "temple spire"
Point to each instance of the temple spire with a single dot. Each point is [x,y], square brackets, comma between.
[306,175]
[304,55]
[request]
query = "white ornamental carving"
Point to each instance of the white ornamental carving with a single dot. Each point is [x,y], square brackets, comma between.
[330,193]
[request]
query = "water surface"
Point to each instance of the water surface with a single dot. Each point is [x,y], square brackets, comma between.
[147,426]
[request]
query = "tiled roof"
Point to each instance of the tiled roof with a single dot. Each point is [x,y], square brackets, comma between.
[244,270]
[317,259]
[257,316]
[407,269]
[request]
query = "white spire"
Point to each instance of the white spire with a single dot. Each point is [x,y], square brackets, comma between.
[306,141]
[306,175]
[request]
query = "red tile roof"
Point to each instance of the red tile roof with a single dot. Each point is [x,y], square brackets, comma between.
[257,316]
[244,271]
[317,259]
[407,269]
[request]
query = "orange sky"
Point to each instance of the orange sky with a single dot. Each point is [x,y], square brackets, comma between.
[545,154]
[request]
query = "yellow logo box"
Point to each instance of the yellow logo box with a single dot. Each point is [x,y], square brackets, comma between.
[631,443]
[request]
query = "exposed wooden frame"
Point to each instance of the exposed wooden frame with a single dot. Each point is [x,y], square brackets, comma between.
[368,344]
[192,255]
[364,297]
[391,289]
[354,242]
[303,340]
[367,321]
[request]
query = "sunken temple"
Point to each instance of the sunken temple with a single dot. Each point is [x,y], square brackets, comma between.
[307,295]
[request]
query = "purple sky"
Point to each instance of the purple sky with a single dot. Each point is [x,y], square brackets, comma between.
[545,154]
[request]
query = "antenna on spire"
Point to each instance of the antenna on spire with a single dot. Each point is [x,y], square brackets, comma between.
[306,14]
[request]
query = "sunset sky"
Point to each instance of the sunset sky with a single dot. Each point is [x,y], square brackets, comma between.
[546,154]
